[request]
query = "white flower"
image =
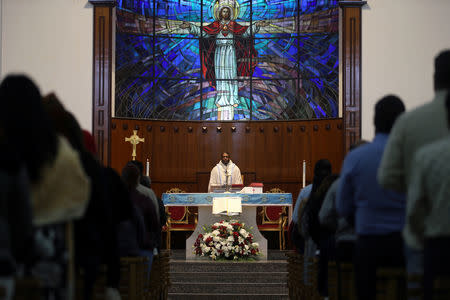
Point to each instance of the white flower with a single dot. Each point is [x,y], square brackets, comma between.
[218,246]
[255,245]
[215,232]
[246,247]
[240,239]
[243,232]
[230,238]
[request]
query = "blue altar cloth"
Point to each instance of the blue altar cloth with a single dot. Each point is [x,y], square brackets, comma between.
[205,199]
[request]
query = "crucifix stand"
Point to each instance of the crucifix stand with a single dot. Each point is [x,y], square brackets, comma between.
[134,140]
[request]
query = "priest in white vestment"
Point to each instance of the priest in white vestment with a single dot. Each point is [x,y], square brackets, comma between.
[225,173]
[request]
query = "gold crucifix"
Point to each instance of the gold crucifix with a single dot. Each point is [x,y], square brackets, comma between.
[134,140]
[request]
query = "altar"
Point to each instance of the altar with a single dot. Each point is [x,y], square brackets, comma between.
[249,204]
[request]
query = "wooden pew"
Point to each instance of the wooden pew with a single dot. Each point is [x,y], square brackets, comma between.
[133,280]
[159,282]
[415,286]
[133,277]
[347,282]
[312,284]
[295,275]
[391,284]
[332,280]
[441,288]
[28,289]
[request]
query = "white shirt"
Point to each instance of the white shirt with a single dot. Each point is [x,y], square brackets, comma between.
[428,202]
[223,174]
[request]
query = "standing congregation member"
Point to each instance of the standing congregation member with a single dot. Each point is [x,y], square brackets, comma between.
[378,213]
[427,220]
[15,217]
[157,203]
[58,184]
[95,239]
[322,169]
[145,207]
[322,237]
[414,129]
[225,173]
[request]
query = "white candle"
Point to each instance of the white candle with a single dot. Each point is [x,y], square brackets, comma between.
[147,168]
[304,173]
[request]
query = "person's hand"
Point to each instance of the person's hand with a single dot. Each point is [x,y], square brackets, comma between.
[185,25]
[262,23]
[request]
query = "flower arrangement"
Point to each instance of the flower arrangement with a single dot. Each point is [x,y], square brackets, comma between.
[226,240]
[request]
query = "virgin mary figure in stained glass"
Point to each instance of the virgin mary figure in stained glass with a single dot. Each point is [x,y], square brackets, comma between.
[226,53]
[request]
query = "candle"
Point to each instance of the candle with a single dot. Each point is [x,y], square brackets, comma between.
[147,168]
[304,173]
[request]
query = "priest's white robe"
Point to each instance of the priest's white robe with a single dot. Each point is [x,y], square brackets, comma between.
[219,175]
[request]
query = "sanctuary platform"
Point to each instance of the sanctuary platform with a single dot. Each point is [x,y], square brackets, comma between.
[207,279]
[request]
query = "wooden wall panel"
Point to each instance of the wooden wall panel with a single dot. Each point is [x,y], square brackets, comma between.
[182,154]
[327,146]
[102,70]
[351,69]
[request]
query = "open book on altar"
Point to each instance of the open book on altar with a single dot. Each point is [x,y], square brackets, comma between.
[229,206]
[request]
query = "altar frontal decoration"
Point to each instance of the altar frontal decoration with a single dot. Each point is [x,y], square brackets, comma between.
[226,240]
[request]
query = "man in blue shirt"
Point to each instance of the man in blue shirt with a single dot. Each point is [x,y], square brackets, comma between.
[378,214]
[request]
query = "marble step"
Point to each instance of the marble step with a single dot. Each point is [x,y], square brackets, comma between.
[229,277]
[202,296]
[228,288]
[227,266]
[180,254]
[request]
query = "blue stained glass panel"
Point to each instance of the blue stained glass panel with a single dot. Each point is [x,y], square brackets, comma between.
[285,57]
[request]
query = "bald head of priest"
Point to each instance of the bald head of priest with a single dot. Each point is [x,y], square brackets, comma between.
[224,173]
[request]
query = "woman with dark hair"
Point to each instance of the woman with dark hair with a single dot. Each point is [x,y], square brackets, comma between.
[321,236]
[58,185]
[147,233]
[322,169]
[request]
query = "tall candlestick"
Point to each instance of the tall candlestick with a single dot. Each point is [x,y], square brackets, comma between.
[147,168]
[304,173]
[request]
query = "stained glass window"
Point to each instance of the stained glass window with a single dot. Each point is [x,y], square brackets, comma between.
[227,59]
